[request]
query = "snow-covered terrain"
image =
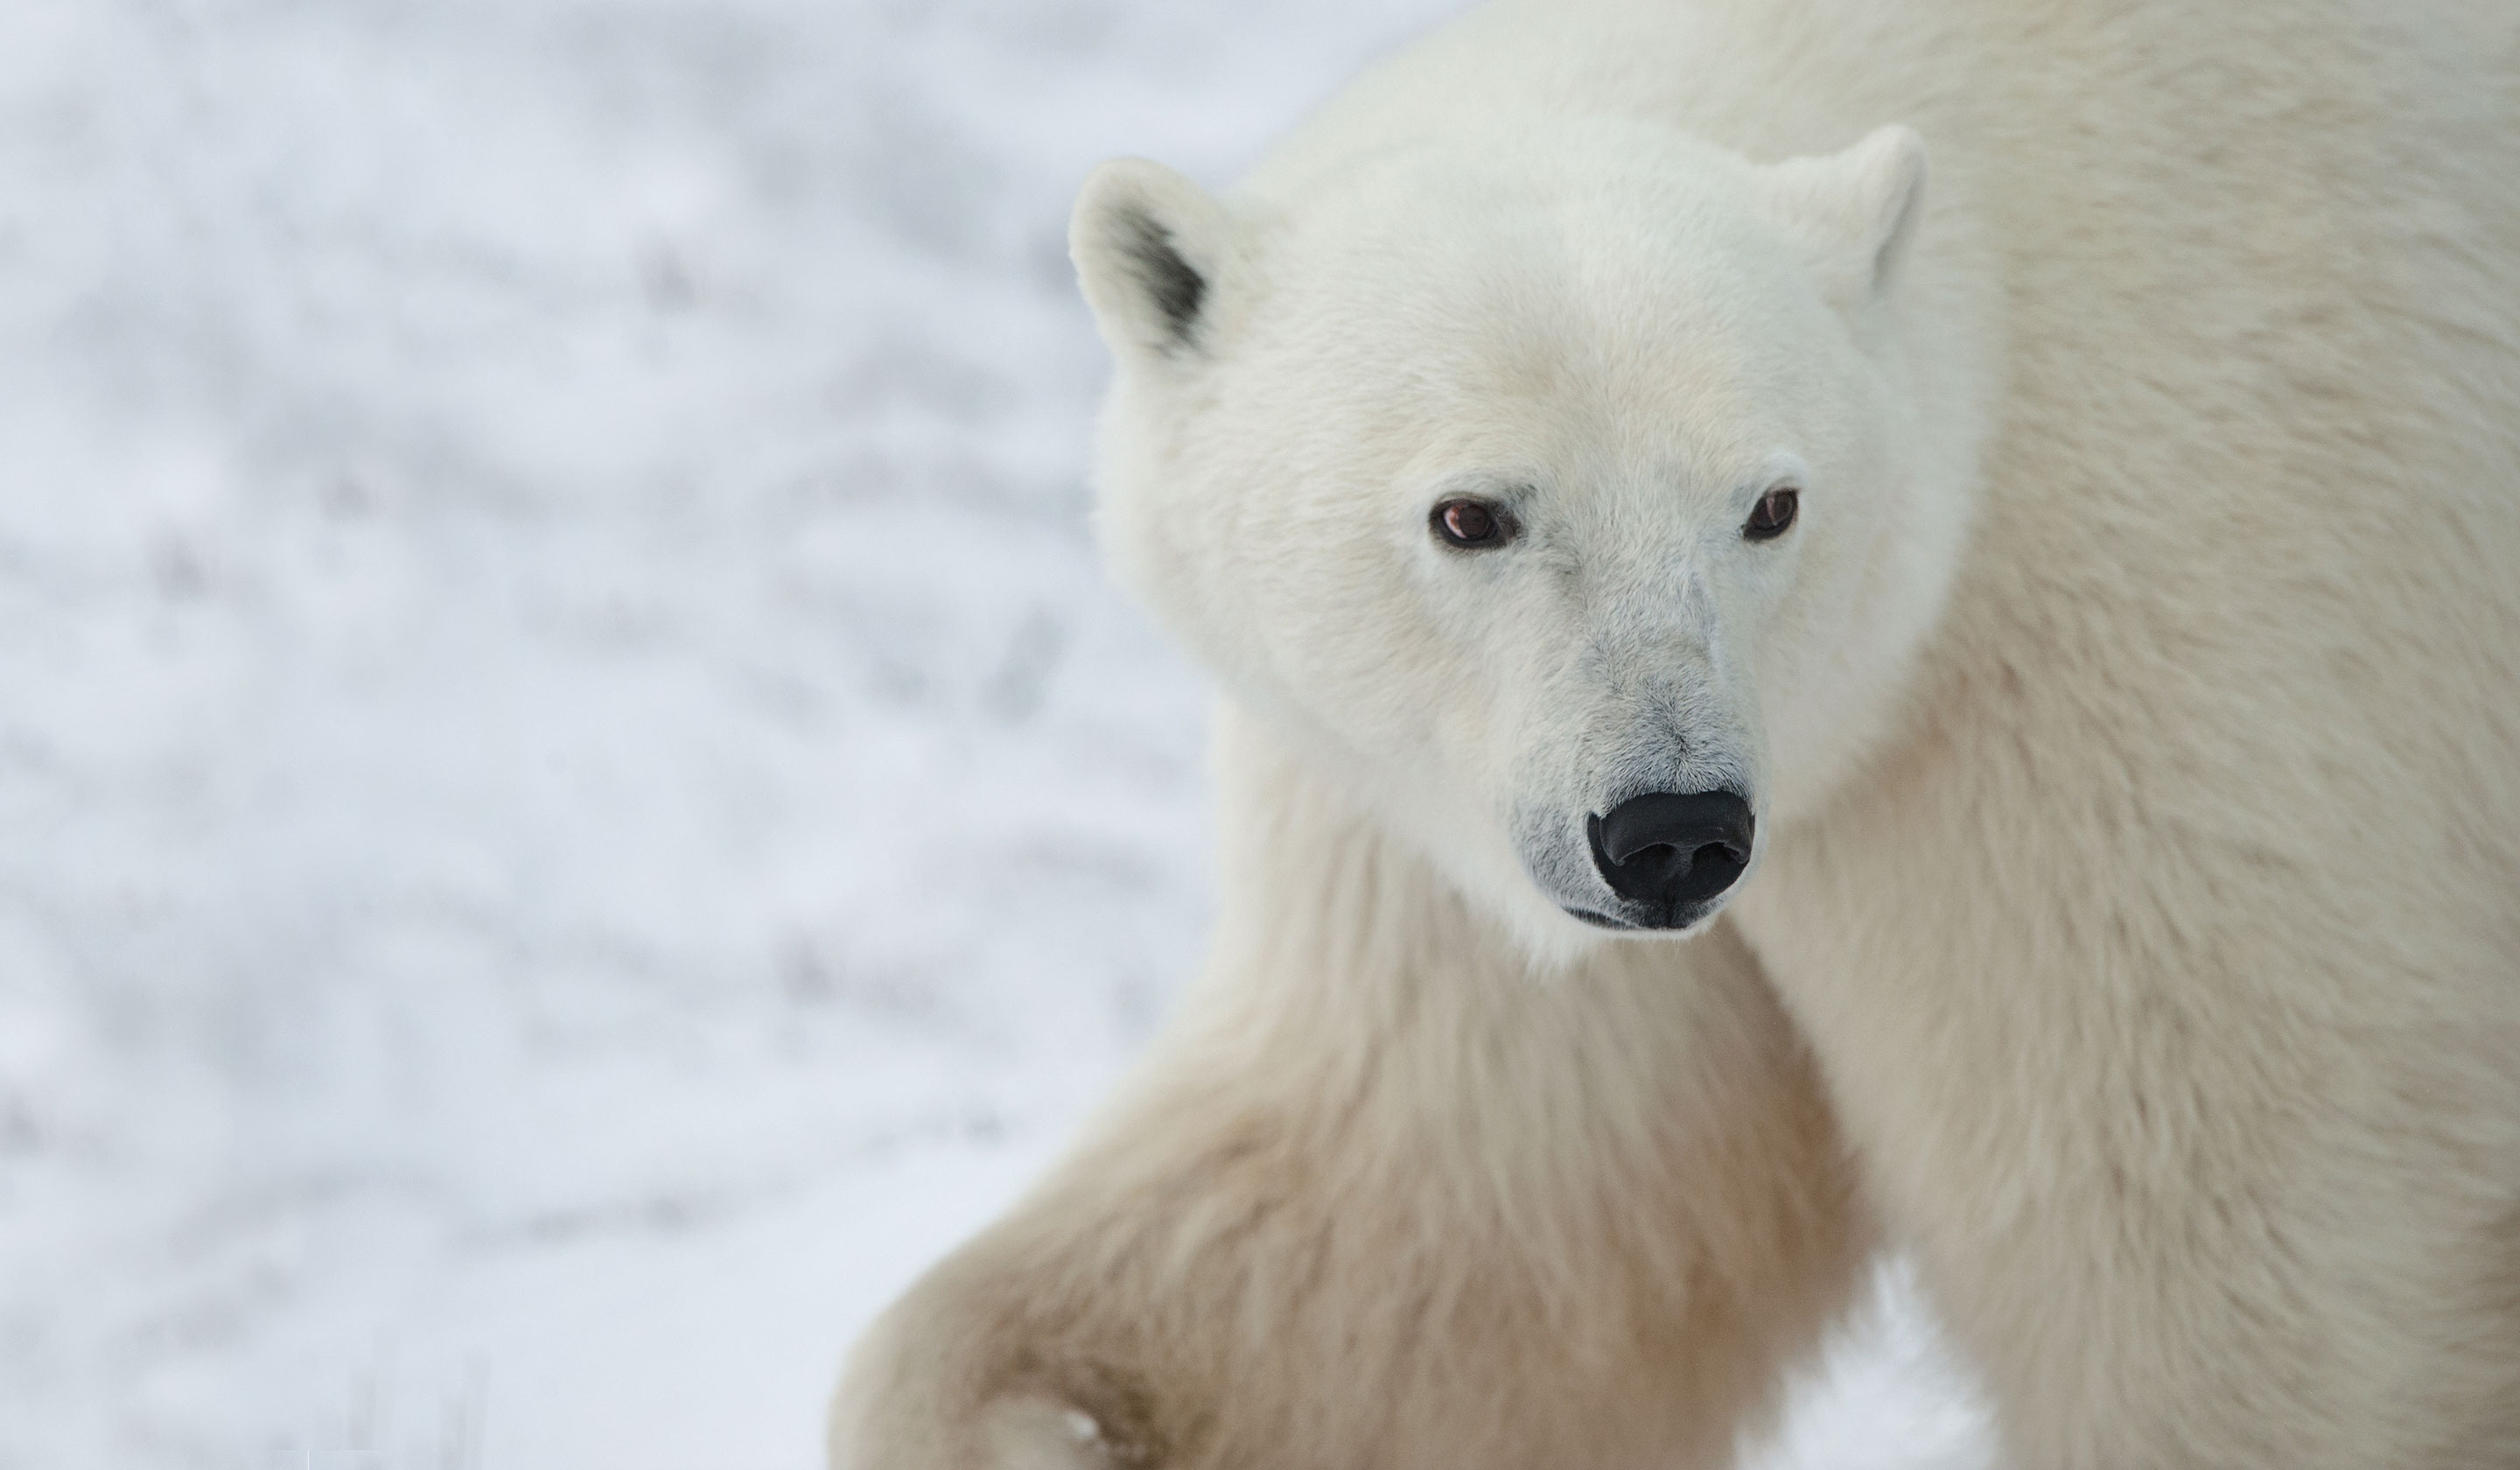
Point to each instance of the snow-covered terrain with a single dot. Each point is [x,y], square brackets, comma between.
[574,806]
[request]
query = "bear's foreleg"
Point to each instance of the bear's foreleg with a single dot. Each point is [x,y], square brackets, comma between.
[1385,1196]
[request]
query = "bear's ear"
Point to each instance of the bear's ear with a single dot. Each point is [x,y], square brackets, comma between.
[1150,249]
[1854,211]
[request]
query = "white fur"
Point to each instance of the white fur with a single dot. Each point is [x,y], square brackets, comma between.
[2132,720]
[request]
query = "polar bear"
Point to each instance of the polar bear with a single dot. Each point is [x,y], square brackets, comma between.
[1781,698]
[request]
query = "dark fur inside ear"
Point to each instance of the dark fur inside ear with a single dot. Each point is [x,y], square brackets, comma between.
[1171,282]
[1157,258]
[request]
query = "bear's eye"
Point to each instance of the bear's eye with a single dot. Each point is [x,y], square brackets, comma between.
[1771,516]
[1472,524]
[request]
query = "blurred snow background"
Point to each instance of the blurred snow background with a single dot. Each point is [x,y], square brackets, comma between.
[573,807]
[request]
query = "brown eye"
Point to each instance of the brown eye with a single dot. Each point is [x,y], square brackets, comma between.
[1771,516]
[1473,523]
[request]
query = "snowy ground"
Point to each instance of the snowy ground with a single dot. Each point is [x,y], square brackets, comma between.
[573,807]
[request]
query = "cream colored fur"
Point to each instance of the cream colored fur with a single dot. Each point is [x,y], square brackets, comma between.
[2132,720]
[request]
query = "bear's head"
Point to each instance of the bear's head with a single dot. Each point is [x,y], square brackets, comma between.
[1562,493]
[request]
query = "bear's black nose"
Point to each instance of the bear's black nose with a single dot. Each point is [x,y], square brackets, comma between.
[1672,851]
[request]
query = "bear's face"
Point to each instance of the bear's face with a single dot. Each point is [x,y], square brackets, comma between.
[1551,489]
